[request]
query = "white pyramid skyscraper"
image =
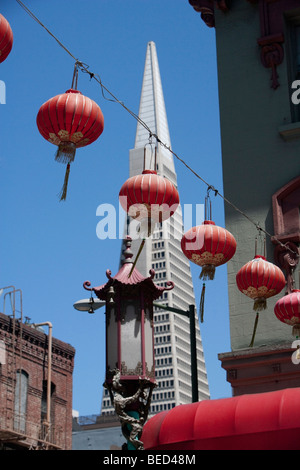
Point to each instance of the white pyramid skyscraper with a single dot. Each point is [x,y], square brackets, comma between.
[162,252]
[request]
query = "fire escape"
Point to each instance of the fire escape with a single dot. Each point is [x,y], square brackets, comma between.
[16,430]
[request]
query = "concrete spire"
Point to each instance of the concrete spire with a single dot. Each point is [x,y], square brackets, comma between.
[152,111]
[162,253]
[152,105]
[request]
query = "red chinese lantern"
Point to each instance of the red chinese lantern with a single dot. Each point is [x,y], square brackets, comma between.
[287,310]
[6,38]
[70,121]
[259,279]
[208,246]
[148,197]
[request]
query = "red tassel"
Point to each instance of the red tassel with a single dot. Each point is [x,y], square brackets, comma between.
[63,192]
[137,256]
[65,152]
[254,330]
[201,309]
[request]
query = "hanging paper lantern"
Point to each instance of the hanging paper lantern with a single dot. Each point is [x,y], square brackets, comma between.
[259,279]
[70,121]
[208,246]
[6,38]
[287,310]
[149,196]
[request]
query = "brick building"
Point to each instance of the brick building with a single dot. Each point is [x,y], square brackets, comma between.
[33,414]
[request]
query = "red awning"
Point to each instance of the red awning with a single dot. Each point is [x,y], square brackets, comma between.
[264,421]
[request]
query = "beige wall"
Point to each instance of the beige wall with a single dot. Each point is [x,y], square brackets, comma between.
[257,161]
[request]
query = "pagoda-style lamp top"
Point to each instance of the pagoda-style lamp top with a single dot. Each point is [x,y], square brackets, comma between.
[129,300]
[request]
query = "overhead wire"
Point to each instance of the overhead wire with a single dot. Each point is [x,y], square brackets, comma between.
[85,68]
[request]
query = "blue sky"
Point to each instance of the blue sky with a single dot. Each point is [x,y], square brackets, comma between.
[48,249]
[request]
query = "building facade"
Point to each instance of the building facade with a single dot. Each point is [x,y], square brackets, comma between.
[258,54]
[162,252]
[35,402]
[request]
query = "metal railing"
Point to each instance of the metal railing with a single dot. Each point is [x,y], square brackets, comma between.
[15,427]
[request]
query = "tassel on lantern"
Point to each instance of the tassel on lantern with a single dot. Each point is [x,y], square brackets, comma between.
[260,304]
[65,152]
[201,308]
[208,272]
[137,256]
[63,193]
[254,330]
[146,225]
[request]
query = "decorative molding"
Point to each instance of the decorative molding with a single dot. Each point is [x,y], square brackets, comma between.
[260,367]
[206,10]
[272,27]
[287,257]
[286,220]
[34,343]
[272,55]
[272,36]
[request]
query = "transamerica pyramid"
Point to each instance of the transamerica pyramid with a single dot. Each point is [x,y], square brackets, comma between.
[162,252]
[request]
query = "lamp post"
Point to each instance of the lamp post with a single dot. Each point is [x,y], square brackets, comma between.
[190,313]
[130,372]
[88,305]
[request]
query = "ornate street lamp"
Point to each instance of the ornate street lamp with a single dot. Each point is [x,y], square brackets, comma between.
[130,372]
[88,305]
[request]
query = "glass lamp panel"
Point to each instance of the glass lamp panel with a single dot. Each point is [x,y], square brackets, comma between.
[148,328]
[111,339]
[131,357]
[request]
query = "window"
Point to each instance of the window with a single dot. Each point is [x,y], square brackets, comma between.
[294,61]
[286,212]
[2,353]
[296,39]
[20,407]
[286,217]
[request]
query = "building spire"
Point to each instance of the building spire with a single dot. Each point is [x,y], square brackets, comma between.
[152,105]
[162,256]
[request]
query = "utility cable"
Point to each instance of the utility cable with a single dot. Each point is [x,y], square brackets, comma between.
[85,68]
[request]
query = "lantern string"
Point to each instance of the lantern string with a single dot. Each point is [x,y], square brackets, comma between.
[254,330]
[43,26]
[85,68]
[75,77]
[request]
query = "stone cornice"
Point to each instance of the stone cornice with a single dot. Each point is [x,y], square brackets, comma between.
[206,8]
[34,342]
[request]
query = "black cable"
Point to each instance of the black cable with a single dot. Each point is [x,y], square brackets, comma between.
[85,68]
